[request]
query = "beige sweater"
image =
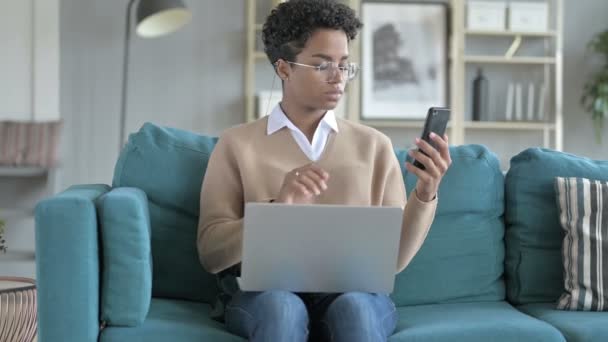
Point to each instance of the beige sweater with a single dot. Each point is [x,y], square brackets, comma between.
[247,165]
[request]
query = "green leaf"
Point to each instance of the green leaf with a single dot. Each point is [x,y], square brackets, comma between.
[598,105]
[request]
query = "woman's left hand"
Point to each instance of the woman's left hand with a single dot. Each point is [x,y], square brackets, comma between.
[436,163]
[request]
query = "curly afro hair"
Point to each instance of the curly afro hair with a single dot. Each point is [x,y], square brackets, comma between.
[292,23]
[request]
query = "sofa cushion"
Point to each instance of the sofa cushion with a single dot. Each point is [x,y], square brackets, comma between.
[470,322]
[583,207]
[575,326]
[126,275]
[462,257]
[534,236]
[168,165]
[172,320]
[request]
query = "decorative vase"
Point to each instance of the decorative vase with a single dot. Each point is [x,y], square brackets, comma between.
[480,97]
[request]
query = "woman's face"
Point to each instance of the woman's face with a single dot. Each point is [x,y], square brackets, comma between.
[313,89]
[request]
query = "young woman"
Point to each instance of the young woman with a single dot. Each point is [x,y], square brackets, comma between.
[302,153]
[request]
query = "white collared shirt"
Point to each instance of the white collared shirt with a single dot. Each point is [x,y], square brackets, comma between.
[277,120]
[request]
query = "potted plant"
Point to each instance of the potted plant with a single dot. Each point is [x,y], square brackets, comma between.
[595,91]
[2,241]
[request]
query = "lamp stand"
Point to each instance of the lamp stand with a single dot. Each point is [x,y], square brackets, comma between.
[125,76]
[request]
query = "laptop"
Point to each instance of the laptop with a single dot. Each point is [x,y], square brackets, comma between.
[320,248]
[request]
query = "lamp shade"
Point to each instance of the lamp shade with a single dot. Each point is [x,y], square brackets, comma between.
[159,17]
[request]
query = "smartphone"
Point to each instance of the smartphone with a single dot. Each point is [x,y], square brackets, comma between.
[436,121]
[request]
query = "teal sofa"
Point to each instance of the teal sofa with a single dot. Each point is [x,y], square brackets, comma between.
[119,263]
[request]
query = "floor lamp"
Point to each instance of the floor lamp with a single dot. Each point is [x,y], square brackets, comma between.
[154,19]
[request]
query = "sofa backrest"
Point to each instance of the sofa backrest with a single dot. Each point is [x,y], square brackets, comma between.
[168,165]
[461,260]
[533,265]
[462,257]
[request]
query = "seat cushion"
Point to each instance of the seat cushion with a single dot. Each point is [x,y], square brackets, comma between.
[126,275]
[175,321]
[470,322]
[576,326]
[462,257]
[168,164]
[534,235]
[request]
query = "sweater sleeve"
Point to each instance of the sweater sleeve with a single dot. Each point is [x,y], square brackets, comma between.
[220,227]
[417,215]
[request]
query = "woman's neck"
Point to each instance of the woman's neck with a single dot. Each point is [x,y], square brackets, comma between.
[306,119]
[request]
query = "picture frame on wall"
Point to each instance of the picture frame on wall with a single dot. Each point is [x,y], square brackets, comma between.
[404,59]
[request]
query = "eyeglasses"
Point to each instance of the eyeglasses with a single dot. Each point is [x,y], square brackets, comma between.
[330,70]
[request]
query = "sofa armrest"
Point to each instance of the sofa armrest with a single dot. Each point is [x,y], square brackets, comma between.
[67,265]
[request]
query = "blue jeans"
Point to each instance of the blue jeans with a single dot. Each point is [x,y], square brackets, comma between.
[275,316]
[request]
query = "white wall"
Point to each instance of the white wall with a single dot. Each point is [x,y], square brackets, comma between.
[584,19]
[16,60]
[46,60]
[192,79]
[29,62]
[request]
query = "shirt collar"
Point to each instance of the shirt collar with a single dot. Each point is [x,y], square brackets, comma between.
[277,120]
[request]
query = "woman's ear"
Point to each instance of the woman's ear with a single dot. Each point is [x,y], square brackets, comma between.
[282,69]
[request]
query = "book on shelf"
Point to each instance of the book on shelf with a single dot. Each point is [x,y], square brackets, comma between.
[542,102]
[518,102]
[530,115]
[509,109]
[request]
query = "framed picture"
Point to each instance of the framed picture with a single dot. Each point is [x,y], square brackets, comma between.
[404,53]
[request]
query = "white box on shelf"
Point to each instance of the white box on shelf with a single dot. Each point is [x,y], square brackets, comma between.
[532,16]
[486,15]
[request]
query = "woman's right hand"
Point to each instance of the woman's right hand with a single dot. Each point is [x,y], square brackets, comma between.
[302,184]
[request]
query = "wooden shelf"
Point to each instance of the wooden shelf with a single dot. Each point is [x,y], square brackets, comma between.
[505,60]
[464,57]
[509,125]
[488,33]
[493,125]
[9,171]
[13,213]
[395,123]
